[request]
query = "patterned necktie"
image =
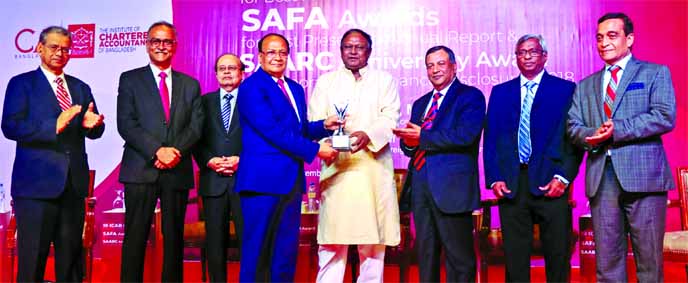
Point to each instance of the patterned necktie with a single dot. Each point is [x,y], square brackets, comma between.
[611,91]
[419,157]
[226,110]
[62,96]
[164,96]
[524,124]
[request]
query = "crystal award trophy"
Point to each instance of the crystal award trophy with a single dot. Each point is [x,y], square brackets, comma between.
[340,140]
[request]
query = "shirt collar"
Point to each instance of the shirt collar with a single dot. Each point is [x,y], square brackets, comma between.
[621,63]
[361,71]
[445,89]
[536,79]
[51,76]
[156,70]
[233,93]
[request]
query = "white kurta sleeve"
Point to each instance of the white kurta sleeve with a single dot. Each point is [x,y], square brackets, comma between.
[380,130]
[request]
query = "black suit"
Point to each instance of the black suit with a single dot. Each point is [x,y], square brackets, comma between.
[444,192]
[218,190]
[50,174]
[141,123]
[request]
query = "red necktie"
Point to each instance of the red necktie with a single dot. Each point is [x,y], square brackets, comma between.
[419,157]
[611,91]
[164,96]
[62,96]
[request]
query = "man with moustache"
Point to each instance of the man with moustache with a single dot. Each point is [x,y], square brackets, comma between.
[618,116]
[217,156]
[160,118]
[529,163]
[442,139]
[276,139]
[359,203]
[44,113]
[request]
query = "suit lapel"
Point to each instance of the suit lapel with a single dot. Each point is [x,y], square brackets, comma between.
[628,75]
[298,99]
[75,92]
[234,119]
[448,102]
[514,101]
[44,88]
[149,82]
[176,94]
[422,105]
[276,90]
[215,110]
[597,96]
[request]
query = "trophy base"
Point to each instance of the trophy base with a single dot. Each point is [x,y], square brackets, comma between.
[341,142]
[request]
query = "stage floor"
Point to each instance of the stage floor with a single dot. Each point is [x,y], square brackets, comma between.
[109,272]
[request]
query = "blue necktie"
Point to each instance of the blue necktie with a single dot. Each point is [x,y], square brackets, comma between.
[524,124]
[226,110]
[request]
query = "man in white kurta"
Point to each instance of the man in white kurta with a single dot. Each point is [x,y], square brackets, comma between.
[359,201]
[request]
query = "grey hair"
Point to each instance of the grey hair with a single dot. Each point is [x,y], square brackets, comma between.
[538,37]
[53,29]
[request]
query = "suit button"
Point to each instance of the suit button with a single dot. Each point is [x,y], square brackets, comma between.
[67,152]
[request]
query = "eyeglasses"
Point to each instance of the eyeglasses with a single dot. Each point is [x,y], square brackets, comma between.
[54,48]
[355,48]
[231,68]
[155,42]
[531,52]
[274,53]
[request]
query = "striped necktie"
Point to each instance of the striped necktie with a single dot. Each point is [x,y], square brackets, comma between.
[62,96]
[611,90]
[226,110]
[524,146]
[419,157]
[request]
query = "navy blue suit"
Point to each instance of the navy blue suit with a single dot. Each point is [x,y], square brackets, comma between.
[50,174]
[551,154]
[270,178]
[444,193]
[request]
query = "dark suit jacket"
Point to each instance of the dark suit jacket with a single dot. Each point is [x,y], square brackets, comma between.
[215,141]
[275,142]
[141,123]
[451,147]
[44,158]
[551,153]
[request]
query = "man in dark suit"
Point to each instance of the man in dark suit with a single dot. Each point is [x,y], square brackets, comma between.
[217,156]
[43,113]
[277,139]
[159,116]
[619,115]
[529,164]
[442,139]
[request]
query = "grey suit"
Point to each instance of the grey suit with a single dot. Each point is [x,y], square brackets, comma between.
[628,188]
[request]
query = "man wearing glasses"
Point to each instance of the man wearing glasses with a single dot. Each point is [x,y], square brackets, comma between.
[160,118]
[359,204]
[49,114]
[277,139]
[529,163]
[217,156]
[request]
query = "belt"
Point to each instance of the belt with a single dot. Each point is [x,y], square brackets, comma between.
[523,166]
